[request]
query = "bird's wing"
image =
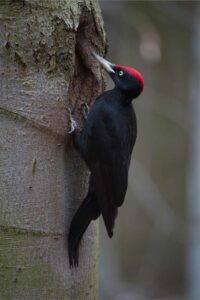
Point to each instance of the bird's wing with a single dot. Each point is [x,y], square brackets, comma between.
[110,184]
[109,169]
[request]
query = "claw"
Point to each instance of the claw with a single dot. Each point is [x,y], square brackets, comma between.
[72,122]
[85,110]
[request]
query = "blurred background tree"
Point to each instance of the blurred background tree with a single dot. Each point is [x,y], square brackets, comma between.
[148,254]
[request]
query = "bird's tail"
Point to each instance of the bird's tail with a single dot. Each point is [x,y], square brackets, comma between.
[87,212]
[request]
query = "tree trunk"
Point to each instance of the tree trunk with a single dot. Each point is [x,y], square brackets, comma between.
[45,67]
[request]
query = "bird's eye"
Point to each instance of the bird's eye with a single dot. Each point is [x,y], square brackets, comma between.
[121,73]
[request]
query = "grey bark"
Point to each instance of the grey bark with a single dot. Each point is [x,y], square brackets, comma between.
[45,67]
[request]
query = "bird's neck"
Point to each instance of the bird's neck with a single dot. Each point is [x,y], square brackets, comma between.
[124,97]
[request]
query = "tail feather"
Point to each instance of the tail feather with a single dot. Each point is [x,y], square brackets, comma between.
[87,212]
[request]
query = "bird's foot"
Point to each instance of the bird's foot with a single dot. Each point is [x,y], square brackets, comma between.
[73,123]
[85,110]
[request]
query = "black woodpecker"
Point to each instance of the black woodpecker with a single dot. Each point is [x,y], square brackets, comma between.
[105,144]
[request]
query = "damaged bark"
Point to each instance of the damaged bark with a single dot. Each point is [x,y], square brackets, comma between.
[46,67]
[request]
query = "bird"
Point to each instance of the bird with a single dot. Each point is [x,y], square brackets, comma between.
[105,143]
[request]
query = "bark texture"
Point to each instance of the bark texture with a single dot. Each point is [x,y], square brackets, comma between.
[45,67]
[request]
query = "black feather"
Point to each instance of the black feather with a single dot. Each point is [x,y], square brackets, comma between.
[87,212]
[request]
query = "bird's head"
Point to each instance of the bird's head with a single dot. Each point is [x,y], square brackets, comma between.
[127,79]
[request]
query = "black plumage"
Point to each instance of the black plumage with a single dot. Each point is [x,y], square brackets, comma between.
[105,144]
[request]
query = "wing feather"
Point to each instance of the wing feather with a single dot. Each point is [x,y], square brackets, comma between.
[109,164]
[110,189]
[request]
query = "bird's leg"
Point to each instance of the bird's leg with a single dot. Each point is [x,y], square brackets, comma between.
[77,135]
[73,123]
[85,110]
